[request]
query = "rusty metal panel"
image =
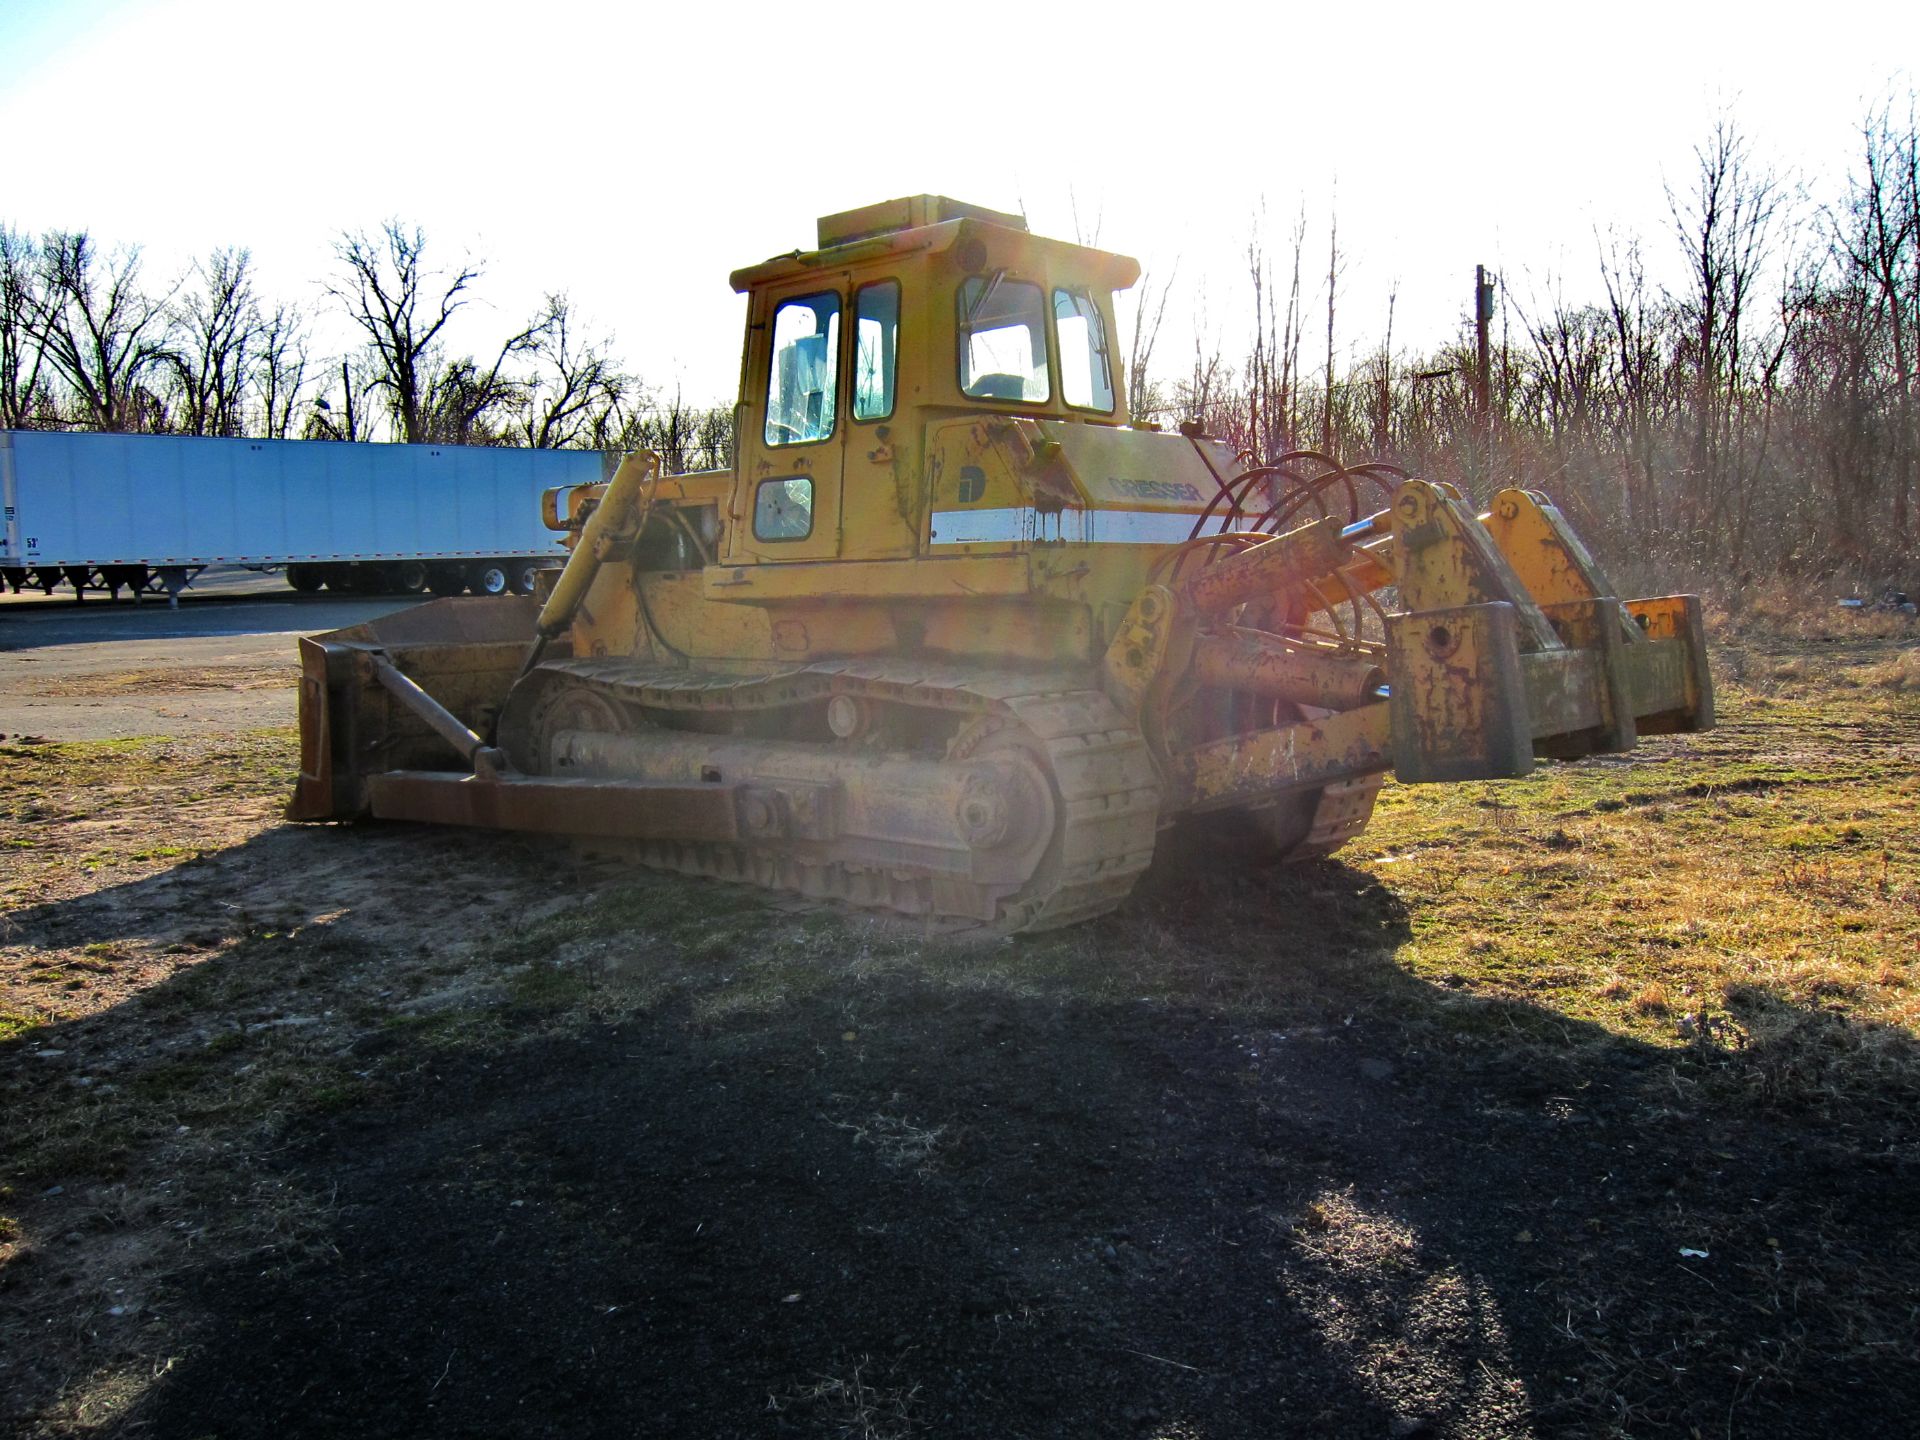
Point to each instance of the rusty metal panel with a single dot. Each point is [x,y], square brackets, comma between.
[1446,558]
[1601,626]
[1246,769]
[1658,679]
[322,791]
[1566,692]
[1323,677]
[624,809]
[1281,566]
[1459,700]
[1677,618]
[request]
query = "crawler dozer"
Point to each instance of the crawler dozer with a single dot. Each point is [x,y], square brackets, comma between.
[953,637]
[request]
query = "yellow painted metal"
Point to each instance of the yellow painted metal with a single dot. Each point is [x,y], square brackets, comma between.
[1547,558]
[896,551]
[1689,706]
[955,579]
[1259,664]
[1280,568]
[616,520]
[1459,702]
[1444,558]
[1138,654]
[1245,769]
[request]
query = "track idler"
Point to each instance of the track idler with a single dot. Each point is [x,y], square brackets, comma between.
[987,819]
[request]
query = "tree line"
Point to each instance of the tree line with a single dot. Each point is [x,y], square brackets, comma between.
[1758,416]
[89,342]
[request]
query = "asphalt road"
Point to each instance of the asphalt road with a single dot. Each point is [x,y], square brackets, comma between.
[224,660]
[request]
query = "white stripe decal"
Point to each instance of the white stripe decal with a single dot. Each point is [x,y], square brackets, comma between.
[1023,525]
[1138,527]
[982,527]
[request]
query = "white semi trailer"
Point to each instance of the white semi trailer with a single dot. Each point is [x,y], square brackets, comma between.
[149,512]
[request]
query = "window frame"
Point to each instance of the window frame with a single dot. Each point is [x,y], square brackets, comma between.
[760,488]
[834,369]
[1046,330]
[853,355]
[1106,349]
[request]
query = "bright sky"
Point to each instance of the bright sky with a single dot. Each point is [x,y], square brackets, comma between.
[633,155]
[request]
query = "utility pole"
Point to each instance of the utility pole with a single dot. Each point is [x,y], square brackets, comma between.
[1333,280]
[1483,371]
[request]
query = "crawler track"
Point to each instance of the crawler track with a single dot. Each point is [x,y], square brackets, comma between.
[1105,790]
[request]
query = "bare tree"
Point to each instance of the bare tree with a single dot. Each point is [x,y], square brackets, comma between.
[574,389]
[402,306]
[1880,239]
[23,400]
[102,333]
[1334,269]
[1635,367]
[1149,312]
[669,428]
[463,397]
[348,419]
[713,439]
[1725,224]
[1566,365]
[216,331]
[280,376]
[1380,379]
[1204,397]
[1273,369]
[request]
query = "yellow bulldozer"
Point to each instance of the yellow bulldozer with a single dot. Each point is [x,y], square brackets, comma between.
[954,637]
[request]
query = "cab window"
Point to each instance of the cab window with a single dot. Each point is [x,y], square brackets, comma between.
[1003,339]
[806,361]
[1086,374]
[876,343]
[783,509]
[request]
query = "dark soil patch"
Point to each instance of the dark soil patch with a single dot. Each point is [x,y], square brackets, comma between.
[896,1208]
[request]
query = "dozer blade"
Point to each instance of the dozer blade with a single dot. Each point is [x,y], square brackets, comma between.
[355,725]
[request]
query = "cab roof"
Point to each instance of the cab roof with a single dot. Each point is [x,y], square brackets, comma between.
[923,222]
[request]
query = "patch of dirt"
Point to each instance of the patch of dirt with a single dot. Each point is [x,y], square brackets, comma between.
[167,681]
[383,1131]
[1113,1220]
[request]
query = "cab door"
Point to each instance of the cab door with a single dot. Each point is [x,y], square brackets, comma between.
[793,432]
[880,514]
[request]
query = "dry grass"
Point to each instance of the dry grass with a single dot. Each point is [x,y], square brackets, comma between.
[168,681]
[898,1142]
[1744,875]
[852,1406]
[1791,611]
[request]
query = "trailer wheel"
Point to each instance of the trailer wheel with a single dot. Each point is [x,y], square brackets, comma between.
[525,574]
[409,577]
[490,578]
[446,579]
[305,578]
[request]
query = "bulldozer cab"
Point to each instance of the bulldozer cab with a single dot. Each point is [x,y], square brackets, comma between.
[911,312]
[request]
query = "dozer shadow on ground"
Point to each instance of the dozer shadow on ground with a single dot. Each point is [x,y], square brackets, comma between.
[664,1159]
